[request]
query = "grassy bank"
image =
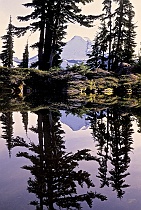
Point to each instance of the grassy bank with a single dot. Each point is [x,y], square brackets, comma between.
[75,80]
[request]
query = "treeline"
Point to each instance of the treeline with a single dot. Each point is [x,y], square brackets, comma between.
[115,40]
[113,43]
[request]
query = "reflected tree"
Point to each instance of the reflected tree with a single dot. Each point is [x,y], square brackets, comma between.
[25,120]
[136,113]
[7,129]
[121,136]
[113,134]
[56,173]
[101,137]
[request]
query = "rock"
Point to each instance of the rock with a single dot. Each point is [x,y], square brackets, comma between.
[124,68]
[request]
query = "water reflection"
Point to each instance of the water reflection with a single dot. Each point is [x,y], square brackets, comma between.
[57,179]
[7,129]
[25,120]
[56,172]
[112,131]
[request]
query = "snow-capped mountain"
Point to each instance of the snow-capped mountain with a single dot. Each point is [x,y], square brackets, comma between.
[74,52]
[76,49]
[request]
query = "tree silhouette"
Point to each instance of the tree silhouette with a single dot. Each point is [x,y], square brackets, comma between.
[24,63]
[94,58]
[116,35]
[124,32]
[120,146]
[114,140]
[51,19]
[56,173]
[7,129]
[7,53]
[25,120]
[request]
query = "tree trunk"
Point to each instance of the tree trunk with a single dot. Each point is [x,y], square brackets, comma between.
[110,39]
[119,35]
[41,39]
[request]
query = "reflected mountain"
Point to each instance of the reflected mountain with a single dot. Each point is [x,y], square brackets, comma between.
[74,122]
[57,179]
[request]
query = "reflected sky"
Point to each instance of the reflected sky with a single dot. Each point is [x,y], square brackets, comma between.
[13,179]
[131,199]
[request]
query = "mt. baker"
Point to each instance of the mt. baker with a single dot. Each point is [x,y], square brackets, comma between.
[74,52]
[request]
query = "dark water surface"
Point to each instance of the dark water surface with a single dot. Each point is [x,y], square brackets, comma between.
[71,159]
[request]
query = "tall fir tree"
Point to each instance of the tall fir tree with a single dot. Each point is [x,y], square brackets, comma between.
[117,40]
[55,172]
[103,42]
[25,61]
[107,9]
[124,32]
[129,40]
[7,129]
[25,120]
[114,141]
[94,57]
[51,19]
[7,53]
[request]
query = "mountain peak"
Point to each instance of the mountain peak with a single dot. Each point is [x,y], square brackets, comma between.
[77,38]
[75,49]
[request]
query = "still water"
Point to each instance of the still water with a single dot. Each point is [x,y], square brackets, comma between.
[69,159]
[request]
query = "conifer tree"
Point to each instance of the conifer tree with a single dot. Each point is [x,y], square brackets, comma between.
[107,9]
[93,61]
[129,40]
[103,42]
[118,38]
[7,53]
[25,120]
[124,32]
[7,129]
[25,60]
[51,19]
[118,32]
[55,172]
[98,56]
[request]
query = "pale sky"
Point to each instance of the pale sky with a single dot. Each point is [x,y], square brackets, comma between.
[15,8]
